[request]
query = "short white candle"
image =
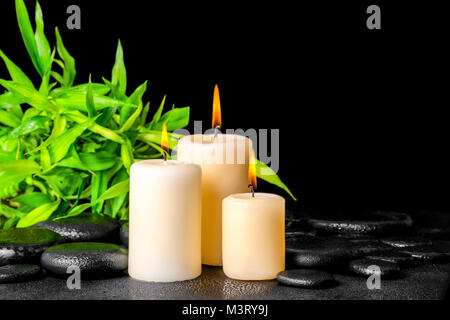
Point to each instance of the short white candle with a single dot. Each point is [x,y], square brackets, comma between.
[253,236]
[165,221]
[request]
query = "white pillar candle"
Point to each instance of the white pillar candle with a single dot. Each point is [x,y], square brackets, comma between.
[165,221]
[224,160]
[253,236]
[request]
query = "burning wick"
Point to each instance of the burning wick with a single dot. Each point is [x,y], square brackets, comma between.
[253,189]
[217,131]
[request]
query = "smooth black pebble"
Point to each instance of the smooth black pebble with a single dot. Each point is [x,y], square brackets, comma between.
[367,267]
[85,227]
[404,242]
[314,252]
[95,260]
[438,252]
[400,258]
[19,273]
[372,223]
[364,247]
[306,278]
[125,233]
[25,244]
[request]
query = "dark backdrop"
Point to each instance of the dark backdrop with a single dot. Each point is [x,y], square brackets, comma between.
[362,113]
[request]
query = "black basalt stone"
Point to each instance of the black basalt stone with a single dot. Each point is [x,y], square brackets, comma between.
[373,223]
[404,242]
[125,233]
[363,267]
[95,260]
[85,227]
[402,259]
[316,252]
[367,246]
[438,252]
[25,244]
[306,278]
[19,273]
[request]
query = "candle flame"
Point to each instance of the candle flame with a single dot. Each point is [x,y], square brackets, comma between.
[164,138]
[252,170]
[217,113]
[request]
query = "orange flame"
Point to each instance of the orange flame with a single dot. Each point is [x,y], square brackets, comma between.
[164,138]
[252,170]
[217,113]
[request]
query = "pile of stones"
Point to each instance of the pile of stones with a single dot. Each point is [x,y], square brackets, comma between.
[90,242]
[316,248]
[383,243]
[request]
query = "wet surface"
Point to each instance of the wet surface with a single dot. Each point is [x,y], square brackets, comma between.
[426,281]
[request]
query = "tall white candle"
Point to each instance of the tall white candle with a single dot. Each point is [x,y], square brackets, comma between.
[253,236]
[224,160]
[165,221]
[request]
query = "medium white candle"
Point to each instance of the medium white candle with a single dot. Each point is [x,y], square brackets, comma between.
[165,221]
[253,236]
[224,160]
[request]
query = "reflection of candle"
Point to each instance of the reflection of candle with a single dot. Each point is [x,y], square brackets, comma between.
[253,235]
[165,221]
[224,160]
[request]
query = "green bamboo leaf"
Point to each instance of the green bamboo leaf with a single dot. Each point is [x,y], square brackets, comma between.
[97,161]
[17,75]
[60,146]
[126,153]
[115,191]
[29,95]
[9,100]
[33,199]
[46,161]
[39,214]
[28,35]
[99,184]
[143,118]
[8,119]
[266,173]
[115,90]
[105,132]
[20,167]
[157,115]
[76,211]
[77,101]
[175,119]
[69,62]
[29,125]
[98,89]
[132,119]
[42,45]
[119,72]
[135,99]
[90,105]
[119,200]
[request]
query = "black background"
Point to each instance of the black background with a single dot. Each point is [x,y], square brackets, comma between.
[362,113]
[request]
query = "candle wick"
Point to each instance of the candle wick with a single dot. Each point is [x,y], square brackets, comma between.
[253,189]
[217,131]
[165,156]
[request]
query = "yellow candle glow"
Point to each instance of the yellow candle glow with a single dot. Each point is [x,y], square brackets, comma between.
[165,221]
[253,235]
[224,160]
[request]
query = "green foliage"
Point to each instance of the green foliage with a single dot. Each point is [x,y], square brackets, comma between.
[66,148]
